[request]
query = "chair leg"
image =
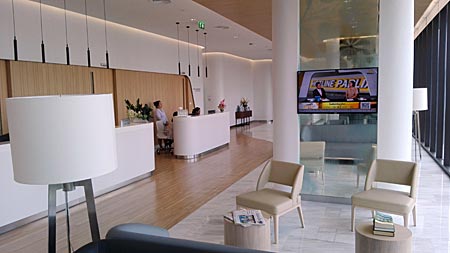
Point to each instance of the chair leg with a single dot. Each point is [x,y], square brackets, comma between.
[415,216]
[353,218]
[323,179]
[275,228]
[406,220]
[357,178]
[373,213]
[300,213]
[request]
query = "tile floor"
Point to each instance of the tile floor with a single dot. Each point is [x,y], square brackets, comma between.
[328,225]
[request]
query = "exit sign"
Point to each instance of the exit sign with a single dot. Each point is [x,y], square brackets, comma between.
[201,24]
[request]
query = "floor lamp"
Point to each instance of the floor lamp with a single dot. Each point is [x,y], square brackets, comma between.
[420,103]
[62,142]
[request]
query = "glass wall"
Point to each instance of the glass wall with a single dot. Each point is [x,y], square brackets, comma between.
[432,71]
[337,34]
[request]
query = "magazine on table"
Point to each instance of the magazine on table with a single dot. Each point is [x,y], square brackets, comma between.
[248,217]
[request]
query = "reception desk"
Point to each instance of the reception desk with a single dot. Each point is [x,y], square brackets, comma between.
[194,136]
[24,203]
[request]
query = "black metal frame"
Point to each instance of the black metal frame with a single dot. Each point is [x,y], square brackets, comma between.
[92,214]
[432,70]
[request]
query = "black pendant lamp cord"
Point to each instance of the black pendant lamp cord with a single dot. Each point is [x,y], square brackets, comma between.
[67,42]
[198,58]
[178,44]
[206,59]
[16,54]
[42,33]
[189,55]
[87,33]
[106,34]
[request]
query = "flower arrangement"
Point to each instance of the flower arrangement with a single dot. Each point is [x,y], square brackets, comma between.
[222,105]
[244,102]
[138,111]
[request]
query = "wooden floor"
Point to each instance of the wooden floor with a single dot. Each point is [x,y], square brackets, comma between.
[175,190]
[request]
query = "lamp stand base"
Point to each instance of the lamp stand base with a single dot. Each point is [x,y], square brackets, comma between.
[92,214]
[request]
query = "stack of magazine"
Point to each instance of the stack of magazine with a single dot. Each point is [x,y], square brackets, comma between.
[383,225]
[245,217]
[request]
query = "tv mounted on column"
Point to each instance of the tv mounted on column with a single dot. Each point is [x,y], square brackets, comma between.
[330,91]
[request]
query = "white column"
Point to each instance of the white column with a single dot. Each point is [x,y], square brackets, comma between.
[285,30]
[395,79]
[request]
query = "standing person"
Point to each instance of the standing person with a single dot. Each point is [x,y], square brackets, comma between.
[319,91]
[159,112]
[351,92]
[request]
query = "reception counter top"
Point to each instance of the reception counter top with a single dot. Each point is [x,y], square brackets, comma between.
[24,203]
[194,136]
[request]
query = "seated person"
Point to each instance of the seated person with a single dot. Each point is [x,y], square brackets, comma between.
[352,92]
[319,91]
[159,112]
[196,111]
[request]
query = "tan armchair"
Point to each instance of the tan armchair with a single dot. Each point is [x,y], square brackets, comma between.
[390,201]
[363,167]
[276,202]
[312,156]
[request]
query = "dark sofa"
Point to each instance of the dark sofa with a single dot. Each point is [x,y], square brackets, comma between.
[151,243]
[343,142]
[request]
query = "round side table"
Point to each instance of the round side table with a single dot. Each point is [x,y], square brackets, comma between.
[251,237]
[367,242]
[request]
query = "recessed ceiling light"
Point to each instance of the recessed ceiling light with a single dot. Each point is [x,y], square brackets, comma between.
[250,44]
[224,27]
[193,20]
[235,36]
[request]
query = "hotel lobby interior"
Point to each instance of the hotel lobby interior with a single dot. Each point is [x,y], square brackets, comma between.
[244,64]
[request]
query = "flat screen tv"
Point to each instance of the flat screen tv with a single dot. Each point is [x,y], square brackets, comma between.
[337,91]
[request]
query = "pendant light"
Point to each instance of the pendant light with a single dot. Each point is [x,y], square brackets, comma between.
[189,56]
[106,34]
[67,42]
[198,58]
[206,58]
[16,54]
[87,34]
[42,33]
[178,42]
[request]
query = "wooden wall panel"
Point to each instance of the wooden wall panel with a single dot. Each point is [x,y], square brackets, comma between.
[36,79]
[3,96]
[148,87]
[103,80]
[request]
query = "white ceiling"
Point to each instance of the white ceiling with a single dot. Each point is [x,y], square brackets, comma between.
[161,19]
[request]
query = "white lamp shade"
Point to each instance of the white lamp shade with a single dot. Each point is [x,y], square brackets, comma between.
[420,99]
[61,139]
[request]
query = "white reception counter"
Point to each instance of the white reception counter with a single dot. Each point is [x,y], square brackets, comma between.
[196,135]
[23,203]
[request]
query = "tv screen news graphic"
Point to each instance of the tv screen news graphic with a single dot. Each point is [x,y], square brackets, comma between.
[337,91]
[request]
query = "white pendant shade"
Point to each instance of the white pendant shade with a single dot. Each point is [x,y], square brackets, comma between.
[61,139]
[420,99]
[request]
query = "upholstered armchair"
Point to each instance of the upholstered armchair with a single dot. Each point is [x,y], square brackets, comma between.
[274,202]
[386,200]
[363,166]
[312,156]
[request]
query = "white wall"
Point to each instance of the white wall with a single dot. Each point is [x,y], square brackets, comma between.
[128,48]
[229,77]
[232,78]
[262,90]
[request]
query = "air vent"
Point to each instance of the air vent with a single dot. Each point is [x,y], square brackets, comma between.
[224,27]
[162,1]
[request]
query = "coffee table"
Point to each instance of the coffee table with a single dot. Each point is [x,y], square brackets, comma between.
[367,242]
[251,237]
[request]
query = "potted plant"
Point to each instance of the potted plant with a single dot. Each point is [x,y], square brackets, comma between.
[222,105]
[244,103]
[138,112]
